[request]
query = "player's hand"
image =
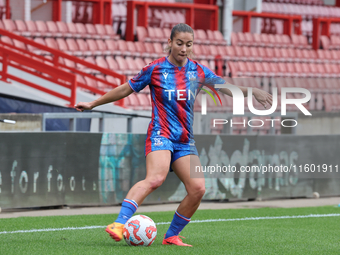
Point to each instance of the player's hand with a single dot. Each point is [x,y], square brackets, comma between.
[263,97]
[80,107]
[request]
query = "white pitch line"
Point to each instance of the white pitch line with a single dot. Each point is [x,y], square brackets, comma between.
[193,221]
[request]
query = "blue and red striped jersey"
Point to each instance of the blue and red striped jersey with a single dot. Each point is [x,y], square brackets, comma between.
[173,91]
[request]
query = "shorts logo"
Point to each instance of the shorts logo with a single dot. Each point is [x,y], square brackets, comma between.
[158,142]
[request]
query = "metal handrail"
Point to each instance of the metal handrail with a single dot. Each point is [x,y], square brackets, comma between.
[73,116]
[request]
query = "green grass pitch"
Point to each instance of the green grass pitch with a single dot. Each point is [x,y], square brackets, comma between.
[314,235]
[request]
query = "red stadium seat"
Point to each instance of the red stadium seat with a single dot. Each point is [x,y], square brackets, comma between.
[91,60]
[151,34]
[282,70]
[102,47]
[213,50]
[62,45]
[91,30]
[221,50]
[62,28]
[249,39]
[9,25]
[112,63]
[73,47]
[133,102]
[31,27]
[132,65]
[21,28]
[160,35]
[278,55]
[110,32]
[239,53]
[149,49]
[272,40]
[112,46]
[132,49]
[159,50]
[50,42]
[93,47]
[265,40]
[295,40]
[257,40]
[123,66]
[206,51]
[144,101]
[36,50]
[270,54]
[91,82]
[101,62]
[81,29]
[82,45]
[101,32]
[101,85]
[42,28]
[202,36]
[262,54]
[292,55]
[211,36]
[69,63]
[19,44]
[73,30]
[166,32]
[122,47]
[80,79]
[298,55]
[234,39]
[142,34]
[6,39]
[335,42]
[198,54]
[140,47]
[325,42]
[219,38]
[324,55]
[140,64]
[241,39]
[231,53]
[53,29]
[249,69]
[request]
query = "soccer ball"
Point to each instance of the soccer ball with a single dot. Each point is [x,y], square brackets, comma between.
[140,230]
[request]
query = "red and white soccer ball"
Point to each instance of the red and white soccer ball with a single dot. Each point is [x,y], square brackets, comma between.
[140,230]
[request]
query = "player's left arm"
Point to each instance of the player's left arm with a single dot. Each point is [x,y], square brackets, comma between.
[260,95]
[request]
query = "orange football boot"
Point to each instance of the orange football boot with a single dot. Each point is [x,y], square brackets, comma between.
[174,240]
[115,230]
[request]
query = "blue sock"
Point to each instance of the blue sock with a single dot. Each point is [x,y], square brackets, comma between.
[129,207]
[177,225]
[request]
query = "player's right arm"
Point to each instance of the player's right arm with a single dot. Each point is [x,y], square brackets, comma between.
[111,96]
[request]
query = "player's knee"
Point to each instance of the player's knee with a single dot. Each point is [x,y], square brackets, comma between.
[156,182]
[197,192]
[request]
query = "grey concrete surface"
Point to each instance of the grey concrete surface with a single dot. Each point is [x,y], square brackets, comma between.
[283,203]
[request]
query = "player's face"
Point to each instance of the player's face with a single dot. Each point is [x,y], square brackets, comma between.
[181,48]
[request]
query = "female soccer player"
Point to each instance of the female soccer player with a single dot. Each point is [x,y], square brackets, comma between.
[169,141]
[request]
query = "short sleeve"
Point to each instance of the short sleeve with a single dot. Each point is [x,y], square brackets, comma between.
[211,78]
[142,79]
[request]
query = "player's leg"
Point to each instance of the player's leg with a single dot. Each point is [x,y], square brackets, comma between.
[157,168]
[195,188]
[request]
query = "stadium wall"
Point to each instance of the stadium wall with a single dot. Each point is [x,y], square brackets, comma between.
[50,169]
[14,105]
